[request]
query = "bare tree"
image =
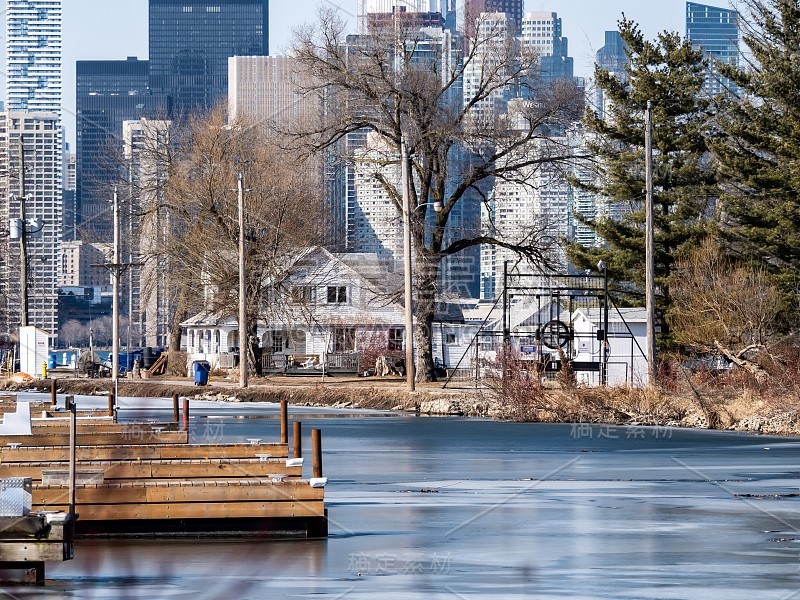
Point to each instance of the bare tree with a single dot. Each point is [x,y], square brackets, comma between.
[194,206]
[723,307]
[447,105]
[73,332]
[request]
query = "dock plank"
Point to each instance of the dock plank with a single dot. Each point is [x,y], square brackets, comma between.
[88,438]
[199,510]
[34,551]
[141,451]
[264,491]
[148,469]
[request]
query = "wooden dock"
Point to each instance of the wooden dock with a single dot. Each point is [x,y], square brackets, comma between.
[28,542]
[146,479]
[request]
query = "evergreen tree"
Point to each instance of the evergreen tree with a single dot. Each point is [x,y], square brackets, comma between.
[669,73]
[756,141]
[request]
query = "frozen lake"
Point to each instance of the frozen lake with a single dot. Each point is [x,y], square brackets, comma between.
[455,508]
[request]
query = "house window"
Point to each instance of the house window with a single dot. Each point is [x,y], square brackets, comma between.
[450,338]
[277,342]
[337,294]
[302,294]
[396,335]
[344,339]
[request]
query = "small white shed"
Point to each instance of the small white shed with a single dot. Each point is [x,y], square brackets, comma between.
[34,350]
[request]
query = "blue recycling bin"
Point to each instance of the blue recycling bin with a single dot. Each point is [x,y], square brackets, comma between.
[201,370]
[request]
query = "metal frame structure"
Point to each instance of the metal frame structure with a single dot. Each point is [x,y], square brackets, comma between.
[545,331]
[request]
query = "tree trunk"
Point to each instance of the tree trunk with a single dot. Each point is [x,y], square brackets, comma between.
[424,313]
[175,330]
[738,359]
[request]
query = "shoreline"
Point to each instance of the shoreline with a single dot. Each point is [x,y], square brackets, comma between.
[596,406]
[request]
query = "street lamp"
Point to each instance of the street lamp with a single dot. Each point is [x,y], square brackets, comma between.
[407,279]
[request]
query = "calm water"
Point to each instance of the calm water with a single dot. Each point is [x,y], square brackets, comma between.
[454,508]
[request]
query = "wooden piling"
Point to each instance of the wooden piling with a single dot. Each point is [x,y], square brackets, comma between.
[185,424]
[284,422]
[53,395]
[298,440]
[111,403]
[316,453]
[73,432]
[175,409]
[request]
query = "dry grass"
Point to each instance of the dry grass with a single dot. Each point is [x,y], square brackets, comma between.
[699,400]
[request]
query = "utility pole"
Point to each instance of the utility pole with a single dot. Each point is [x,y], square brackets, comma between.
[410,382]
[116,268]
[244,342]
[115,276]
[23,242]
[650,248]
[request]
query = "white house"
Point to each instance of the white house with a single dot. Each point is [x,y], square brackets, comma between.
[330,310]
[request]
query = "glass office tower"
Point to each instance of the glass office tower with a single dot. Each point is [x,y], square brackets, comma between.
[191,41]
[716,31]
[108,92]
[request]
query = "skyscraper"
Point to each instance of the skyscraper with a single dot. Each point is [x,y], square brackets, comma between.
[612,58]
[543,32]
[715,31]
[375,14]
[39,135]
[271,90]
[191,41]
[514,9]
[150,303]
[33,55]
[108,92]
[539,31]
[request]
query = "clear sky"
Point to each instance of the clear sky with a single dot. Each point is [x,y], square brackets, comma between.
[115,29]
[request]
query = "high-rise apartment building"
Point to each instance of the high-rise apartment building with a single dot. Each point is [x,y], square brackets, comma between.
[39,136]
[145,144]
[191,41]
[33,55]
[108,92]
[514,10]
[371,222]
[270,90]
[542,31]
[377,14]
[535,207]
[715,31]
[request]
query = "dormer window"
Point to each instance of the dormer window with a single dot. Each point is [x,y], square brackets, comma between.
[337,294]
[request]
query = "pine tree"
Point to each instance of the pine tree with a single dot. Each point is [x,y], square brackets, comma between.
[756,141]
[669,73]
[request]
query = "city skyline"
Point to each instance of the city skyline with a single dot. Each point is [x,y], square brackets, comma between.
[86,38]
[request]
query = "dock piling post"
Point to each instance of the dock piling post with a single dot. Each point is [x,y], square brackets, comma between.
[185,414]
[316,452]
[111,403]
[298,440]
[175,411]
[73,426]
[284,422]
[53,395]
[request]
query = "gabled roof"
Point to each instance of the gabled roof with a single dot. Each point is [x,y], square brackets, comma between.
[615,315]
